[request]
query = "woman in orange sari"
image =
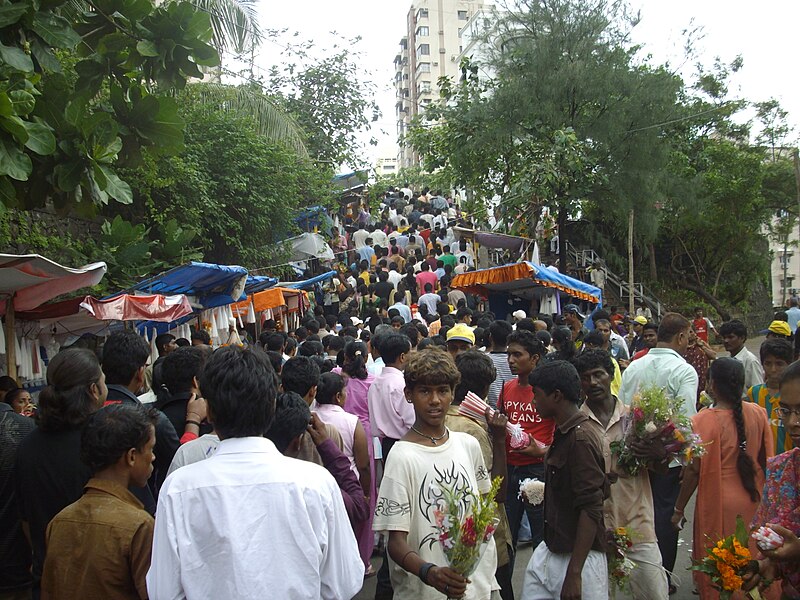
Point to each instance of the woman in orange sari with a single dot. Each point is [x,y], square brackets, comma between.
[731,473]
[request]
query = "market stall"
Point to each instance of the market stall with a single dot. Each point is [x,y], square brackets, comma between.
[29,280]
[525,285]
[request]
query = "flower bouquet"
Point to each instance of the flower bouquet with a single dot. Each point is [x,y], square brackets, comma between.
[465,536]
[656,418]
[531,491]
[619,565]
[473,406]
[727,561]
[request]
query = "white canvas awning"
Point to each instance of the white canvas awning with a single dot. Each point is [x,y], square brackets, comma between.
[29,280]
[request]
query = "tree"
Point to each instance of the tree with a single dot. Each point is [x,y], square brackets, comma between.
[331,98]
[62,132]
[237,189]
[571,119]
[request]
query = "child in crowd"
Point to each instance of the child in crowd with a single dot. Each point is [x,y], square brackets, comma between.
[427,457]
[99,546]
[570,563]
[776,355]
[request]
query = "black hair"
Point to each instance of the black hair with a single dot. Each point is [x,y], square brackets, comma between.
[8,383]
[162,340]
[291,344]
[182,343]
[274,342]
[544,337]
[113,430]
[336,342]
[270,324]
[791,373]
[292,417]
[671,325]
[179,368]
[239,385]
[526,324]
[650,326]
[463,312]
[330,384]
[557,375]
[728,377]
[311,348]
[594,338]
[528,341]
[12,395]
[66,403]
[477,374]
[355,354]
[299,375]
[410,331]
[734,327]
[777,348]
[594,359]
[392,346]
[202,336]
[124,353]
[499,332]
[312,326]
[276,360]
[301,333]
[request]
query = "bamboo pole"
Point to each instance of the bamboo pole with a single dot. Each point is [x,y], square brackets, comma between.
[631,307]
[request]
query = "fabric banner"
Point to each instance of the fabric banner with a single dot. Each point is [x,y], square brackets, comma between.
[162,309]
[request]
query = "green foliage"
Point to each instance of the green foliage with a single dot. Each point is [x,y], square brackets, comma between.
[331,98]
[62,131]
[237,189]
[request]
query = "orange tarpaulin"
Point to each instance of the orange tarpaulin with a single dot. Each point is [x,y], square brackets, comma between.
[266,300]
[476,282]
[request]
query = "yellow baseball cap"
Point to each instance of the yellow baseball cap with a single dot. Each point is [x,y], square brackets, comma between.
[641,320]
[781,328]
[461,332]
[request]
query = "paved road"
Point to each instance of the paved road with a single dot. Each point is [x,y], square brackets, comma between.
[683,576]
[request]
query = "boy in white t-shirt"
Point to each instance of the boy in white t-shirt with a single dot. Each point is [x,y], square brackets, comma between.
[427,458]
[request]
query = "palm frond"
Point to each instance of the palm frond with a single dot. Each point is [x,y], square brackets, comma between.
[235,23]
[271,120]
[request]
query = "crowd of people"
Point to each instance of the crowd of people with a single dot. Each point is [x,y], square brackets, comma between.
[287,467]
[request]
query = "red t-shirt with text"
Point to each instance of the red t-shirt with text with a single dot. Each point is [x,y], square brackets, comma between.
[701,328]
[517,404]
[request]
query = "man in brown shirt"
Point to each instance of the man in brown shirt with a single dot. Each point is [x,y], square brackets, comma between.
[99,546]
[630,504]
[570,563]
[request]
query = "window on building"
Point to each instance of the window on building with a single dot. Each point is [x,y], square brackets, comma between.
[424,67]
[423,50]
[462,15]
[785,259]
[423,31]
[422,13]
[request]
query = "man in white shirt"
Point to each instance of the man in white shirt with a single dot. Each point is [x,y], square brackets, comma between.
[793,314]
[665,367]
[360,237]
[379,238]
[734,335]
[249,523]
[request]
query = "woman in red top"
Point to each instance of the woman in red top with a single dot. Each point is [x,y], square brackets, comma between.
[525,351]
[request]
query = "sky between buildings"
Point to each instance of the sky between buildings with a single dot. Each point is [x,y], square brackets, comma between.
[764,33]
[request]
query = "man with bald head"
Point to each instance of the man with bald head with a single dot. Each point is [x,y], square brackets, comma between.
[539,326]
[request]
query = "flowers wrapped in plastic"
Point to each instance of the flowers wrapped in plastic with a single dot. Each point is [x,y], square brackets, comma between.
[531,491]
[727,561]
[474,406]
[655,418]
[465,534]
[619,565]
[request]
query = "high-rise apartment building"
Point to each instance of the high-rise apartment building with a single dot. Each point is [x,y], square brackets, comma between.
[429,50]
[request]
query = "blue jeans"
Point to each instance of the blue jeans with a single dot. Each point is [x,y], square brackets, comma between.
[515,506]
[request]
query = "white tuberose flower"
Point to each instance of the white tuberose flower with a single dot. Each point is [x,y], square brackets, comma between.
[650,427]
[531,491]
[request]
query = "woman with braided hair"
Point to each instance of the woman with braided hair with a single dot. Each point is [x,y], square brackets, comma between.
[730,475]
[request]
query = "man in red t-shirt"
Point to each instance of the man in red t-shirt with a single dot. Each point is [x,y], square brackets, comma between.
[702,324]
[516,402]
[426,276]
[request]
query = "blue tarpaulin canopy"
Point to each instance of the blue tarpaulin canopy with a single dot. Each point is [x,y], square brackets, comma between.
[308,283]
[259,283]
[210,285]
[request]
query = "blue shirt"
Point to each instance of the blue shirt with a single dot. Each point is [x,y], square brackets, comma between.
[794,318]
[365,253]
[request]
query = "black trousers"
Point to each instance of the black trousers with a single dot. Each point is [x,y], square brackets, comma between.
[665,493]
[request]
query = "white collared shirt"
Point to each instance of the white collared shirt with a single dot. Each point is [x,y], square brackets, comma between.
[250,523]
[753,373]
[391,415]
[666,369]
